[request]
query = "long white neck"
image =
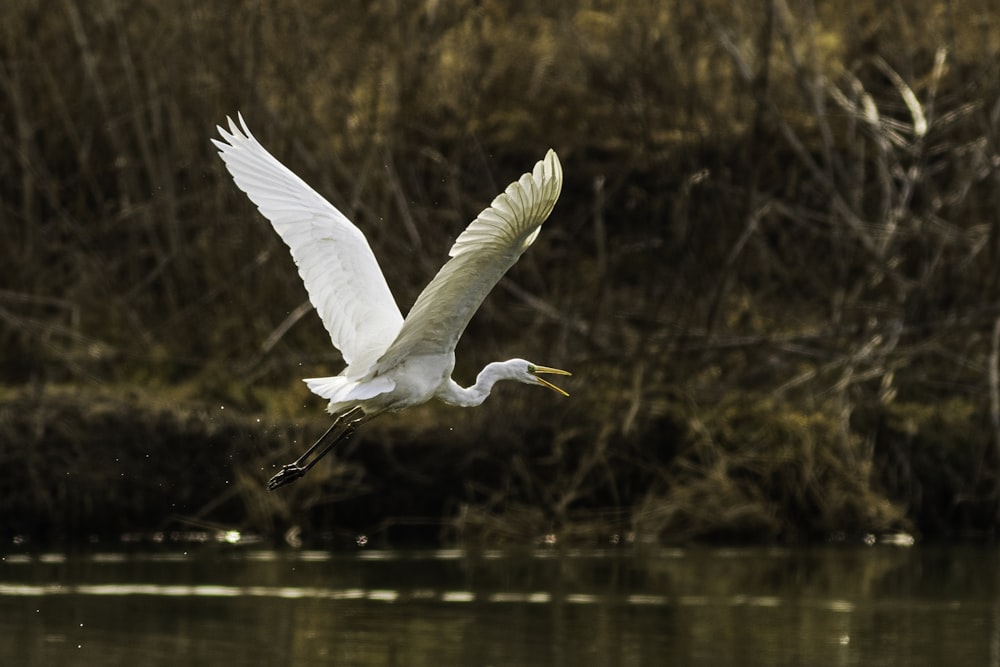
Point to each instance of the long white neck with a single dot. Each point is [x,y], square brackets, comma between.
[469,397]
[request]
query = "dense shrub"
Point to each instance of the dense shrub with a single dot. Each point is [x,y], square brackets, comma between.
[778,234]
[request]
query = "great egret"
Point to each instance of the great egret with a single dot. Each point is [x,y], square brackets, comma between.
[392,363]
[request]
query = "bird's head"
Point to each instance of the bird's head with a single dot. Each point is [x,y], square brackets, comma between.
[529,373]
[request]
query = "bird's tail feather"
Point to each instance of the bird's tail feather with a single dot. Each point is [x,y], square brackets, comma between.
[340,389]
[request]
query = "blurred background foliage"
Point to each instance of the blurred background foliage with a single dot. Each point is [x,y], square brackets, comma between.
[773,268]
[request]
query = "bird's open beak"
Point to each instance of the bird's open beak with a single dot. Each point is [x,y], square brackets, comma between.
[535,370]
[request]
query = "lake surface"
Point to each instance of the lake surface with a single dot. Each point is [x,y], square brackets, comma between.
[880,605]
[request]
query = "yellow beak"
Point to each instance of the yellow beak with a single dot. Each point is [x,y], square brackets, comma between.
[535,370]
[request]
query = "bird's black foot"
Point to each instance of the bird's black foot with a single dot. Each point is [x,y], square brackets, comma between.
[288,474]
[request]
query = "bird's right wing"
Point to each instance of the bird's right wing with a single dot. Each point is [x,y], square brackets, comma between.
[340,272]
[489,246]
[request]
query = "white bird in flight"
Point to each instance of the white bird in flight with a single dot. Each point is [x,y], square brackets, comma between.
[392,363]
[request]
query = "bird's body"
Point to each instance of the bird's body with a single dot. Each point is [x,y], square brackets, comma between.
[392,363]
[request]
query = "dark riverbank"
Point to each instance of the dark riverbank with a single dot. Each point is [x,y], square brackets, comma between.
[100,465]
[774,268]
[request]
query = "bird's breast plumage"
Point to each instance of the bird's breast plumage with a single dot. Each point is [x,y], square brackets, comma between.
[418,378]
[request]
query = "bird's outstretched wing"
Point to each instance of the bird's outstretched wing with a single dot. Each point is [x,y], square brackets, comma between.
[340,272]
[489,246]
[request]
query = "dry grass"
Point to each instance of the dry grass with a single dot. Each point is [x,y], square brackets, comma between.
[779,226]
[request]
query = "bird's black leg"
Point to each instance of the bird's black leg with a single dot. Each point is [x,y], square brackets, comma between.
[290,472]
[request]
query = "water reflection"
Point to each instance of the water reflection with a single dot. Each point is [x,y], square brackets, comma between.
[877,606]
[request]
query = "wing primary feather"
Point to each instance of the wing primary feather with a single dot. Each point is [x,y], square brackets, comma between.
[335,261]
[343,278]
[480,256]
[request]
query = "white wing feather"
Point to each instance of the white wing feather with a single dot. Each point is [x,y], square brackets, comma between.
[489,246]
[340,272]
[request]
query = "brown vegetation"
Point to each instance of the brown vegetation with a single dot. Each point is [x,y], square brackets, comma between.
[774,268]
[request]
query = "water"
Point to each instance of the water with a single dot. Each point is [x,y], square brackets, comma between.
[831,606]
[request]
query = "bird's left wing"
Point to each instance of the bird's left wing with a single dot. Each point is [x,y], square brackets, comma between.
[340,272]
[489,246]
